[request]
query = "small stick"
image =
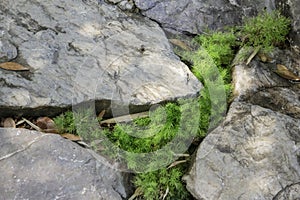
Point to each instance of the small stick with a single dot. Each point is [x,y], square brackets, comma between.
[125,118]
[253,54]
[32,125]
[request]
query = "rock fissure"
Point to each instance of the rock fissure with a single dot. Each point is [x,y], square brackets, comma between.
[21,150]
[288,191]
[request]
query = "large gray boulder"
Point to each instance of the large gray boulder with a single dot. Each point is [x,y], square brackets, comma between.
[195,16]
[254,153]
[34,165]
[79,51]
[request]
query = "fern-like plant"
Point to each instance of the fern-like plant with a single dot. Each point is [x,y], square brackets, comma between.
[219,46]
[267,30]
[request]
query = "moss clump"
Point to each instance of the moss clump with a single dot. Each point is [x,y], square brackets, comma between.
[151,135]
[163,182]
[65,123]
[130,143]
[219,46]
[266,30]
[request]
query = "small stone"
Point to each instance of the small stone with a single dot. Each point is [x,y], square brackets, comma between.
[45,123]
[126,5]
[263,57]
[284,72]
[9,123]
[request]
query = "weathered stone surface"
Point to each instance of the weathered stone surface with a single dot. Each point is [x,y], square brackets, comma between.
[81,51]
[260,85]
[7,51]
[289,192]
[126,5]
[195,16]
[254,153]
[46,166]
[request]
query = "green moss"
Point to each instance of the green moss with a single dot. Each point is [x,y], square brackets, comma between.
[65,123]
[266,30]
[162,182]
[151,136]
[219,46]
[129,141]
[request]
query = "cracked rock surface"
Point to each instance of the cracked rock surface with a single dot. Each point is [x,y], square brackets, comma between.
[79,51]
[195,16]
[46,166]
[254,153]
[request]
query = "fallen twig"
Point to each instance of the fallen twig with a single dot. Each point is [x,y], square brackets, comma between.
[253,54]
[125,118]
[177,163]
[32,125]
[137,193]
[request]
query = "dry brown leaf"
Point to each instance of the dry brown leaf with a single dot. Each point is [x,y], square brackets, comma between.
[264,57]
[284,72]
[71,137]
[45,123]
[9,123]
[13,66]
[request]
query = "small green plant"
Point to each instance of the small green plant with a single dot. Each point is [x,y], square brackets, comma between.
[266,30]
[153,134]
[162,184]
[219,46]
[216,91]
[144,135]
[211,63]
[65,123]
